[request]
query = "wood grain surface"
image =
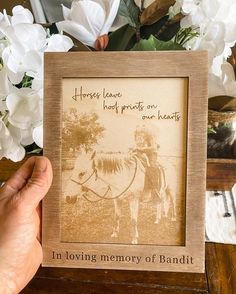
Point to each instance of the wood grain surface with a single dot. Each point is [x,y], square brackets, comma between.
[99,281]
[220,278]
[221,174]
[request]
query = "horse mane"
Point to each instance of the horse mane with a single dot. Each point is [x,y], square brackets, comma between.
[114,162]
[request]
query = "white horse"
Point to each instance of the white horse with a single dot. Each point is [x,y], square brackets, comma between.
[113,176]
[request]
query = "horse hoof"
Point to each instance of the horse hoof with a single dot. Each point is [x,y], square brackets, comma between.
[157,221]
[135,242]
[114,235]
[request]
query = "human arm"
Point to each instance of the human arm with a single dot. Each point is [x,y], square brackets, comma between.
[20,248]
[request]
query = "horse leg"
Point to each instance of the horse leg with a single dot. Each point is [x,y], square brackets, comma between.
[134,206]
[158,212]
[172,204]
[174,209]
[166,205]
[116,225]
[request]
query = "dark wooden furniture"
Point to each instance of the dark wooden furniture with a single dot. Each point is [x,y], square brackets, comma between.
[220,275]
[221,174]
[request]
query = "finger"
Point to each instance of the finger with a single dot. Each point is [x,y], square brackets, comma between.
[39,214]
[38,184]
[19,179]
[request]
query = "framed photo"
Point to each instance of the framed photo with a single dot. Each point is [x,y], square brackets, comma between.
[126,135]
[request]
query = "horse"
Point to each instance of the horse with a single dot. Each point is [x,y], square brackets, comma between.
[111,176]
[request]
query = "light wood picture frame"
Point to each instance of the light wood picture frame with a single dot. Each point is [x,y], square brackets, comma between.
[126,135]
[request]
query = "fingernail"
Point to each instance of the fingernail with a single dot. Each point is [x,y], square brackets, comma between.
[40,164]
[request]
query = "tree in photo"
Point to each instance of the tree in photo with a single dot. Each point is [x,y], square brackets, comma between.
[81,131]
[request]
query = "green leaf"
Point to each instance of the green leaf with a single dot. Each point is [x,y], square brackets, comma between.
[35,151]
[169,32]
[119,39]
[162,29]
[153,44]
[130,10]
[211,131]
[51,27]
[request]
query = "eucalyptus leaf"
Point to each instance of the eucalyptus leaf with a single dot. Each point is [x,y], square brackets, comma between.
[153,44]
[119,39]
[130,10]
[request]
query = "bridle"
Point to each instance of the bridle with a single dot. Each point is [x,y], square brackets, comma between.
[84,182]
[103,197]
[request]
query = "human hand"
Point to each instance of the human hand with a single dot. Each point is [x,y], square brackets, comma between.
[20,248]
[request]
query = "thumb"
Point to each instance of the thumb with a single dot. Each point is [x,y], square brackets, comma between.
[38,183]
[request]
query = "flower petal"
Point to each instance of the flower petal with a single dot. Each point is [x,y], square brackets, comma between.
[59,43]
[38,136]
[216,87]
[66,12]
[77,31]
[15,78]
[16,152]
[21,15]
[24,108]
[10,146]
[4,84]
[89,14]
[32,64]
[111,15]
[31,36]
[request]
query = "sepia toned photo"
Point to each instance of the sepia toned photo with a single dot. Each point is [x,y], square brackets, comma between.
[124,160]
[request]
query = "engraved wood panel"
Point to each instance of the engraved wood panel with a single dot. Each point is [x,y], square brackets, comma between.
[129,65]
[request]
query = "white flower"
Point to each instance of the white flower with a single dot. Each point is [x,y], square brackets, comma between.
[24,108]
[4,85]
[89,20]
[25,40]
[4,23]
[22,45]
[38,135]
[9,146]
[215,20]
[21,15]
[222,81]
[59,43]
[215,23]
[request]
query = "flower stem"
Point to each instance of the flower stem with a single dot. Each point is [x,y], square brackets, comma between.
[142,5]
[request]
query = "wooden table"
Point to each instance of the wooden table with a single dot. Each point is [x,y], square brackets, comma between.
[220,276]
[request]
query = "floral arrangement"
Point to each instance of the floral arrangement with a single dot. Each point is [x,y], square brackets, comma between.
[22,44]
[112,25]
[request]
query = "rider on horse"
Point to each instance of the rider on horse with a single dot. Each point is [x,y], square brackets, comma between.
[146,150]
